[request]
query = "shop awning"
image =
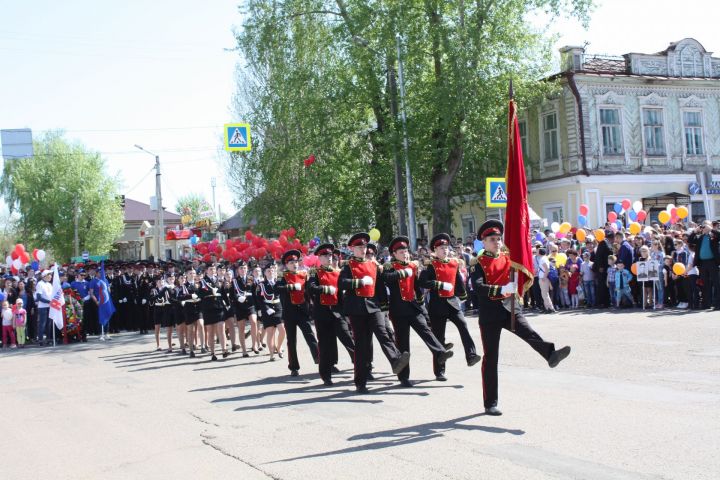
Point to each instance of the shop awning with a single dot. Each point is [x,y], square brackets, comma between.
[662,199]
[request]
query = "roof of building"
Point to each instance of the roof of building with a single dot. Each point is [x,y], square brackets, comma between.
[237,222]
[138,211]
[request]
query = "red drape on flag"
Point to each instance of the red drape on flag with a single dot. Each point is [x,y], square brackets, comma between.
[517,217]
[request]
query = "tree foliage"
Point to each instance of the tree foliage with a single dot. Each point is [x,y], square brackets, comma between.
[63,179]
[195,205]
[320,77]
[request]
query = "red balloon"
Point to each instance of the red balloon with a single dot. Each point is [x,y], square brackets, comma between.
[218,249]
[283,240]
[24,257]
[626,204]
[241,246]
[248,235]
[612,216]
[584,209]
[291,232]
[673,212]
[261,252]
[304,249]
[14,255]
[34,254]
[207,258]
[19,248]
[641,215]
[14,270]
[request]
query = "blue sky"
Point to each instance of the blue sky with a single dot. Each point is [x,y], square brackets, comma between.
[157,73]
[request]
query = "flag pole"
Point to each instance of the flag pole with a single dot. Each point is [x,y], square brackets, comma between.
[53,330]
[512,269]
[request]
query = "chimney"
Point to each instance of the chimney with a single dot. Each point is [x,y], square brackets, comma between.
[571,58]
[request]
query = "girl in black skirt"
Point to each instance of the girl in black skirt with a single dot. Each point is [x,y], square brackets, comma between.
[269,301]
[191,308]
[212,310]
[229,319]
[157,300]
[243,303]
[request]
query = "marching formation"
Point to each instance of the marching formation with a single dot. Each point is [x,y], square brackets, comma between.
[214,309]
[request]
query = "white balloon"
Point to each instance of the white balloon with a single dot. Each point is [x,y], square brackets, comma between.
[17,263]
[41,255]
[8,261]
[637,206]
[555,227]
[670,207]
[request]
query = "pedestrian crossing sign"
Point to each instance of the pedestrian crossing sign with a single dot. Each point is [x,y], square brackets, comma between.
[495,193]
[237,137]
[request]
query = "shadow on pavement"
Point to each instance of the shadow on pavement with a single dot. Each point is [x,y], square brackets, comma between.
[407,435]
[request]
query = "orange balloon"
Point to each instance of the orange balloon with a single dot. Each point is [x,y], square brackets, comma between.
[580,235]
[635,228]
[664,216]
[678,268]
[633,269]
[565,227]
[599,235]
[682,212]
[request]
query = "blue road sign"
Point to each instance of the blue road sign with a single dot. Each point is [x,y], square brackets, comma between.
[237,137]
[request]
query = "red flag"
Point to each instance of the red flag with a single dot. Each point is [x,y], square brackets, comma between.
[309,161]
[517,217]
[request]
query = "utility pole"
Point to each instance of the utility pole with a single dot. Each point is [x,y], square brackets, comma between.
[408,179]
[76,220]
[160,220]
[213,184]
[159,226]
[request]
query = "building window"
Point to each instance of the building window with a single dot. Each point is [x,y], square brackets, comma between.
[550,137]
[468,225]
[697,209]
[611,131]
[553,213]
[523,137]
[693,133]
[653,131]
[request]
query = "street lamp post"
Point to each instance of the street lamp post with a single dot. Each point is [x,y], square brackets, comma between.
[159,227]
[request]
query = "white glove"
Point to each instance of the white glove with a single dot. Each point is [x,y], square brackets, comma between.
[182,303]
[86,298]
[214,290]
[297,286]
[332,290]
[446,286]
[270,311]
[193,296]
[409,272]
[366,280]
[509,288]
[143,301]
[241,299]
[123,300]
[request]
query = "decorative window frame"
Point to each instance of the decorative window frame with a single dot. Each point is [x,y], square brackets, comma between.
[694,103]
[658,102]
[611,100]
[547,108]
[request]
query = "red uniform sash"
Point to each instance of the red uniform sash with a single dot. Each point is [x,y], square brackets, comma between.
[328,278]
[446,272]
[497,270]
[297,297]
[361,269]
[407,284]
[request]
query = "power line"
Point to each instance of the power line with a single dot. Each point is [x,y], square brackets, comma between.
[155,129]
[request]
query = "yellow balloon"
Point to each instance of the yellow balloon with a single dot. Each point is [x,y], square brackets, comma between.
[678,268]
[682,212]
[560,259]
[565,227]
[580,235]
[664,216]
[635,228]
[599,235]
[374,234]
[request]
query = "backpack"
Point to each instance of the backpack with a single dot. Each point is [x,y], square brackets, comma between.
[552,274]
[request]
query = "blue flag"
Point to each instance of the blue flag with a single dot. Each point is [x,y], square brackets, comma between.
[105,304]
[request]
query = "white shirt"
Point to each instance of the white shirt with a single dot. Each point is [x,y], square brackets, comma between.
[44,289]
[7,317]
[544,268]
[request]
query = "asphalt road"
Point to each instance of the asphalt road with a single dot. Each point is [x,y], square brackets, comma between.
[638,398]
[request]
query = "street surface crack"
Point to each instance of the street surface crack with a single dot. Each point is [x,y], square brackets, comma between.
[206,441]
[202,420]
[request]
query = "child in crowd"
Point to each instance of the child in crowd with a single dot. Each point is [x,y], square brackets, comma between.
[657,254]
[669,294]
[20,321]
[7,326]
[611,271]
[647,286]
[573,283]
[588,280]
[622,284]
[564,278]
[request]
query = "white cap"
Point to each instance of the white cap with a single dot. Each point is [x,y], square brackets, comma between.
[46,272]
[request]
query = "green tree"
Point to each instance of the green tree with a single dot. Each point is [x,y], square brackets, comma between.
[321,77]
[61,181]
[195,205]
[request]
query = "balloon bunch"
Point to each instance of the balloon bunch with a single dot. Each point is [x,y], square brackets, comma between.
[672,214]
[19,258]
[633,210]
[253,246]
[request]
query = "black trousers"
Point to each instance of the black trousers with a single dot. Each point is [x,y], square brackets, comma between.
[292,323]
[363,327]
[490,335]
[329,330]
[91,323]
[418,322]
[709,275]
[438,329]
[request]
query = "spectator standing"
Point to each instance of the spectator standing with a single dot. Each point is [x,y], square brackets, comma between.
[20,322]
[588,280]
[622,284]
[43,295]
[707,258]
[610,278]
[8,331]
